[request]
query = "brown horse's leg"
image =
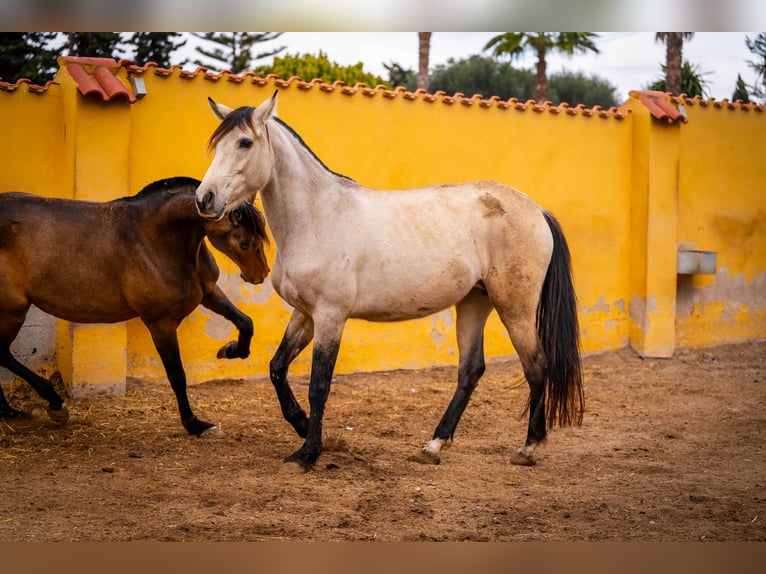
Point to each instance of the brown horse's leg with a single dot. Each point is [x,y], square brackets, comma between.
[57,410]
[219,303]
[298,334]
[472,313]
[166,341]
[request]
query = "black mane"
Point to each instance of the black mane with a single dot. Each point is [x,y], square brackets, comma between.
[168,184]
[303,144]
[251,218]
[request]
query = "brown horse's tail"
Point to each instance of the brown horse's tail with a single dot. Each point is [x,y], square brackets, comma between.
[558,328]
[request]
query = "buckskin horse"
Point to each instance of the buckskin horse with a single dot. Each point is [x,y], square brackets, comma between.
[104,262]
[344,251]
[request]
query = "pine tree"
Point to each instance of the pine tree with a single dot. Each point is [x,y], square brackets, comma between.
[156,47]
[93,44]
[233,50]
[26,55]
[740,91]
[757,46]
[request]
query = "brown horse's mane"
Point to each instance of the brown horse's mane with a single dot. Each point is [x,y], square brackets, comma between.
[249,215]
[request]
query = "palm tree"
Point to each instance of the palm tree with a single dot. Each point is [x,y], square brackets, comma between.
[674,47]
[424,41]
[514,44]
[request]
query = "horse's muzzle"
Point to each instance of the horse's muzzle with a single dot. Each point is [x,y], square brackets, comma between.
[206,204]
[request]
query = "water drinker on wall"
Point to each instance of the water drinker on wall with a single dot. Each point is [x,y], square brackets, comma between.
[695,262]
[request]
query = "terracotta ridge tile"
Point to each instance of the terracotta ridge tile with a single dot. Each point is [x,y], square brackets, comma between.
[31,86]
[101,82]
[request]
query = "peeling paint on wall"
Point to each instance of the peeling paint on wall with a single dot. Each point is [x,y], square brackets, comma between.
[729,308]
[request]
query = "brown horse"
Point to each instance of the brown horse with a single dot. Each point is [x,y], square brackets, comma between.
[141,256]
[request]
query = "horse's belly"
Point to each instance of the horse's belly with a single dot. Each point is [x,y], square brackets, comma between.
[403,302]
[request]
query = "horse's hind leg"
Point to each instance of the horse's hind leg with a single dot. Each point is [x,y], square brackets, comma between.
[472,313]
[521,326]
[298,334]
[57,409]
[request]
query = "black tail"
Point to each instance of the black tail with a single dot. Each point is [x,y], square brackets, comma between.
[559,331]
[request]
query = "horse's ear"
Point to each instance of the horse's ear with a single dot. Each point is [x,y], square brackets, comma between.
[219,110]
[268,108]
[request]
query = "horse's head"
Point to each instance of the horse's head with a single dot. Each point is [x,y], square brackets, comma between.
[243,158]
[241,235]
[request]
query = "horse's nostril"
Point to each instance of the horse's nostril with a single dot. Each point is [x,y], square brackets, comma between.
[204,203]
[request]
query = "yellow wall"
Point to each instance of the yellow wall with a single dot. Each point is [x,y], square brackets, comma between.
[722,201]
[625,187]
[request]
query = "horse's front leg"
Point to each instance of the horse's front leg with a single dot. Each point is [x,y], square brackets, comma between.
[166,341]
[326,347]
[219,303]
[298,334]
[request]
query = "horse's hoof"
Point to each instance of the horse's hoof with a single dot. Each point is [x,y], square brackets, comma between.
[428,457]
[11,413]
[60,415]
[212,433]
[293,467]
[523,458]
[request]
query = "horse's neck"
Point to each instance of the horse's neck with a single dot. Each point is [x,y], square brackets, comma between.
[300,190]
[178,221]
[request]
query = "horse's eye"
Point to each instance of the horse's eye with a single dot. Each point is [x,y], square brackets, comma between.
[245,143]
[244,245]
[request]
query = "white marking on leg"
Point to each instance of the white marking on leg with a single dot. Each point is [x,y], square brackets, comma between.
[433,447]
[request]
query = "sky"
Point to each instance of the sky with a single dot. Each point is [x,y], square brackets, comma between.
[627,60]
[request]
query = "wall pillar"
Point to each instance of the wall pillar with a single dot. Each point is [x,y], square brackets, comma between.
[93,358]
[654,222]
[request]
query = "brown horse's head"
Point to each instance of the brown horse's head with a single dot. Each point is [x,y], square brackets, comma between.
[241,235]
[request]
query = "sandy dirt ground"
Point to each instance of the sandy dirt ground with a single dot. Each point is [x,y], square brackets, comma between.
[669,450]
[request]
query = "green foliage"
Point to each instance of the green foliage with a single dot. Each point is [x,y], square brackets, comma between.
[740,91]
[514,44]
[156,47]
[307,67]
[757,47]
[233,50]
[26,55]
[693,82]
[93,44]
[398,76]
[485,76]
[576,88]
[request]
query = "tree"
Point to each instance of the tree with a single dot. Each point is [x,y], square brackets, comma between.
[757,46]
[514,44]
[156,47]
[480,75]
[233,50]
[93,44]
[25,55]
[740,91]
[693,82]
[307,67]
[576,88]
[398,76]
[424,48]
[674,47]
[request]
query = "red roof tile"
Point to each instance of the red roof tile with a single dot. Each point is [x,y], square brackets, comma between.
[658,104]
[101,82]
